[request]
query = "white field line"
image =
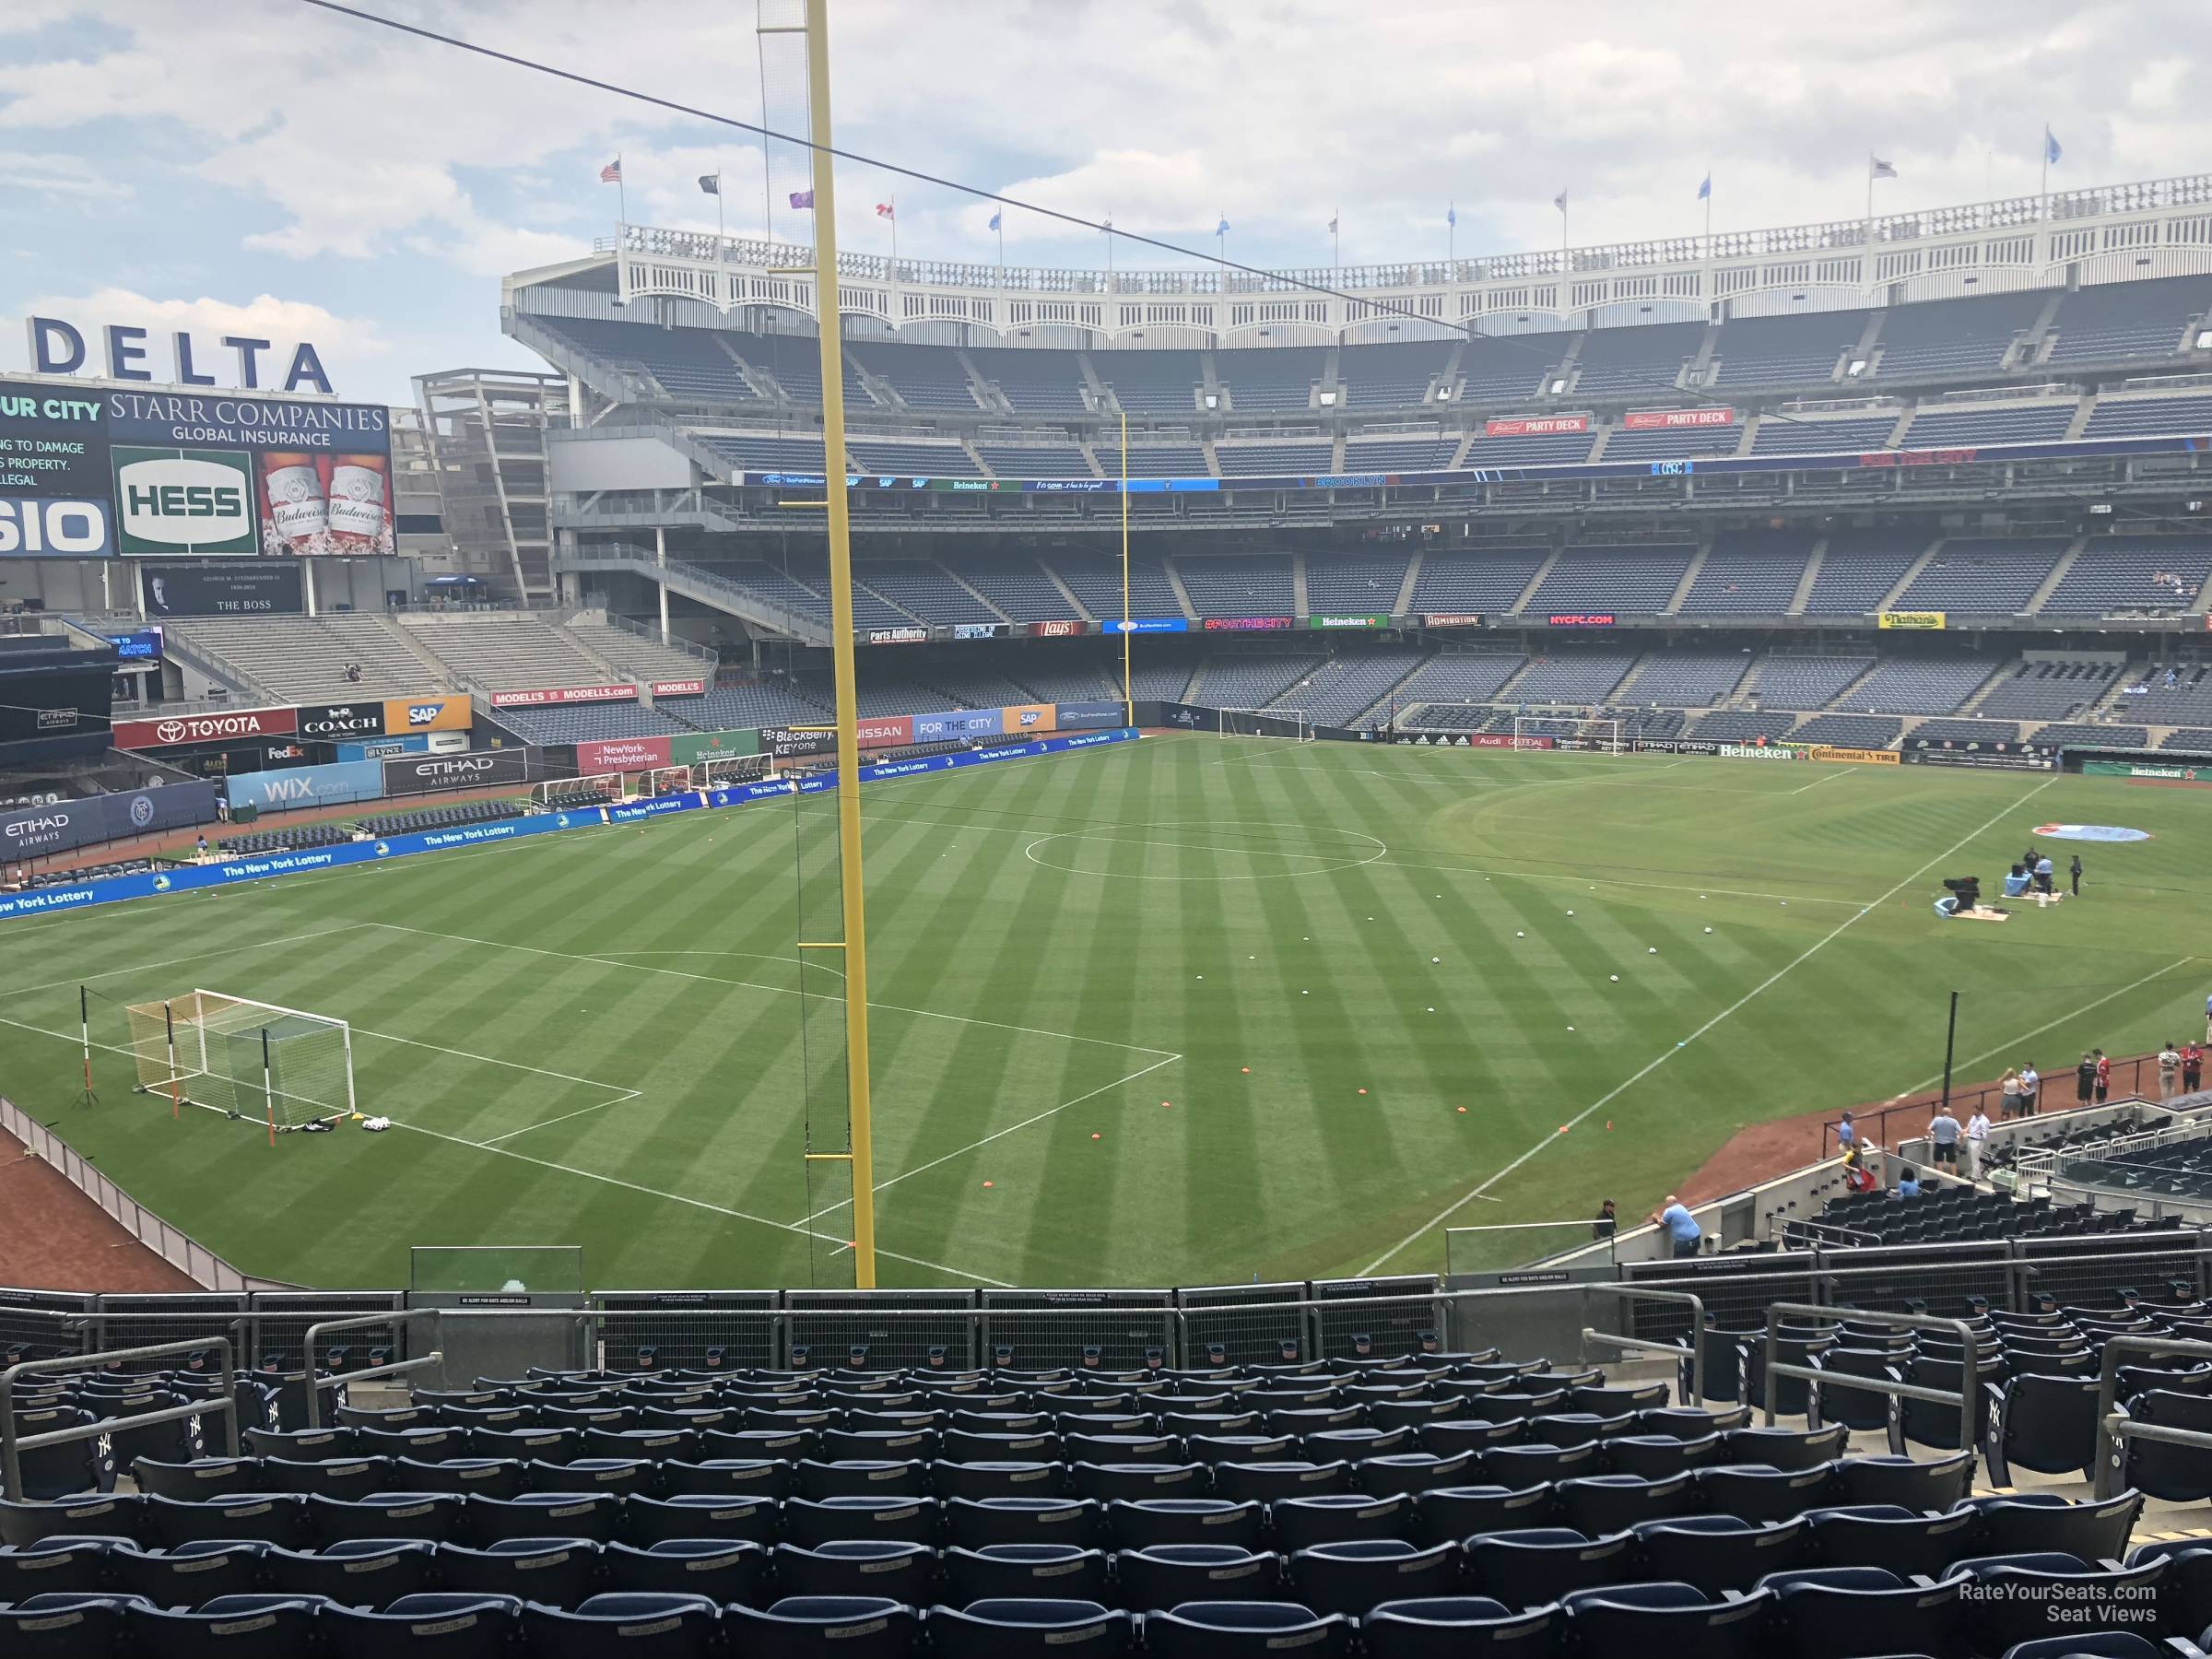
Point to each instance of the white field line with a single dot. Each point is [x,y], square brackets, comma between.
[998,1135]
[77,979]
[1772,979]
[1814,783]
[626,1095]
[736,1215]
[71,1037]
[713,979]
[1657,886]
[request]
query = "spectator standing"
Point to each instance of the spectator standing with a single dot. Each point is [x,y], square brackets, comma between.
[2031,1090]
[1855,1174]
[2169,1070]
[1607,1218]
[2073,870]
[1943,1138]
[1681,1226]
[219,806]
[2084,1080]
[1847,1135]
[1977,1140]
[2104,1075]
[2192,1068]
[2009,1090]
[2045,871]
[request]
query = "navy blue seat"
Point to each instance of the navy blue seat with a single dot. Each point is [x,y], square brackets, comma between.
[1301,1523]
[1717,1553]
[272,1517]
[1665,1617]
[2016,1592]
[202,1477]
[1448,1626]
[1280,1478]
[447,1626]
[1656,1456]
[1461,1512]
[1528,1567]
[1759,1492]
[304,1444]
[2092,1644]
[466,1477]
[1353,1577]
[649,1625]
[728,1477]
[1024,1572]
[434,1516]
[1785,1448]
[358,1571]
[1009,1628]
[1107,1482]
[1889,1535]
[1233,1629]
[348,1477]
[698,1515]
[612,1477]
[1414,1472]
[2025,1522]
[857,1478]
[542,1514]
[908,1520]
[106,1515]
[1934,1483]
[187,1574]
[973,1523]
[550,1569]
[237,1627]
[824,1627]
[893,1567]
[1844,1612]
[1169,1574]
[997,1478]
[1528,1462]
[60,1626]
[1609,1503]
[720,1569]
[1149,1521]
[2186,1593]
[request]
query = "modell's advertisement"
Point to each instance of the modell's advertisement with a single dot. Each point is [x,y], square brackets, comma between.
[217,474]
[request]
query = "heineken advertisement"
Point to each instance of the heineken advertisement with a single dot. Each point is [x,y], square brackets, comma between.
[693,746]
[2194,772]
[1335,620]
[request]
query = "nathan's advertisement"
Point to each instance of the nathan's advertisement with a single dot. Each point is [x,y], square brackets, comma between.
[220,474]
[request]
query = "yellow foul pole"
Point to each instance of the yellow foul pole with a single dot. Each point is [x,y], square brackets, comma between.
[841,628]
[1129,686]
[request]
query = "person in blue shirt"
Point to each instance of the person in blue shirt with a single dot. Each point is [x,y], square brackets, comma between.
[1908,1183]
[1847,1135]
[1681,1226]
[2043,873]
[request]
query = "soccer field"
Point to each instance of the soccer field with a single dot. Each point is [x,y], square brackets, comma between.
[1176,1012]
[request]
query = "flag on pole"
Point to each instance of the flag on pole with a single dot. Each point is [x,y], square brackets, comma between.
[995,213]
[1705,189]
[710,183]
[1559,201]
[802,199]
[1222,229]
[1452,216]
[2051,149]
[612,172]
[1879,169]
[1333,217]
[886,210]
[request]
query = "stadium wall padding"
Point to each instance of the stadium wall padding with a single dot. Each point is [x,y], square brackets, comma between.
[306,785]
[228,871]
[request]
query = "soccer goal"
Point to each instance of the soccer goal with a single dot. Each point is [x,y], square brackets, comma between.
[243,1058]
[1266,722]
[599,786]
[666,780]
[1568,732]
[722,770]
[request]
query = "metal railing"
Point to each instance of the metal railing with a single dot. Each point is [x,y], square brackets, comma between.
[1695,1353]
[1588,1228]
[13,1446]
[1797,1231]
[2116,1424]
[1969,1374]
[2127,1083]
[311,1345]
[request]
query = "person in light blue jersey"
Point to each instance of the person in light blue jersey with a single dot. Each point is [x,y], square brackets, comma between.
[1681,1226]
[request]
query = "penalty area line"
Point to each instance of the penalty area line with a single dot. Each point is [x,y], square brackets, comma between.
[1637,1076]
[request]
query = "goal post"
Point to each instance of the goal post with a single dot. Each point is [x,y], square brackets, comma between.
[1291,723]
[1569,732]
[243,1058]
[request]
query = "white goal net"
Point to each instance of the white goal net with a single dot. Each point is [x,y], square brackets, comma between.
[1569,732]
[664,780]
[243,1058]
[1265,723]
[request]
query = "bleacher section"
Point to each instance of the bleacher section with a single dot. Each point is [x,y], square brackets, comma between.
[1964,732]
[507,653]
[1631,580]
[1399,454]
[690,363]
[1688,679]
[1250,460]
[2132,573]
[737,708]
[1742,725]
[1541,449]
[1035,460]
[2059,734]
[776,586]
[1097,582]
[633,653]
[1786,351]
[2006,423]
[1989,576]
[1654,445]
[2188,701]
[1392,376]
[1502,368]
[1033,382]
[1859,568]
[1644,360]
[1460,677]
[1018,587]
[2114,323]
[1779,435]
[1156,459]
[796,363]
[1256,586]
[1849,730]
[1579,676]
[1342,689]
[1941,339]
[2048,690]
[1251,681]
[921,587]
[869,610]
[1359,587]
[1151,382]
[306,657]
[1916,685]
[754,453]
[2136,416]
[1486,583]
[1270,379]
[1806,682]
[925,377]
[911,457]
[1749,574]
[585,722]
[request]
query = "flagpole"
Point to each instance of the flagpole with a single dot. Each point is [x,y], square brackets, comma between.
[2045,191]
[894,215]
[718,218]
[1451,237]
[621,190]
[1709,213]
[1336,240]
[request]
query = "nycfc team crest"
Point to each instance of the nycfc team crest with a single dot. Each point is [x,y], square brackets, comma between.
[2091,832]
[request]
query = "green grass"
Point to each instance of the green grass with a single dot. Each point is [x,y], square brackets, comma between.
[1059,947]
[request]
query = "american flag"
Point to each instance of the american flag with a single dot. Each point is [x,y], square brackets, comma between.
[886,210]
[612,172]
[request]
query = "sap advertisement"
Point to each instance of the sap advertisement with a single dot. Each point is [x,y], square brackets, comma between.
[54,472]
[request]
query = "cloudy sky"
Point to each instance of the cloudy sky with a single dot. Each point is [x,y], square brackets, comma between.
[259,163]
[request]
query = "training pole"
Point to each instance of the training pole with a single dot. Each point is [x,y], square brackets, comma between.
[1950,1042]
[84,1029]
[268,1085]
[826,312]
[1128,685]
[176,1084]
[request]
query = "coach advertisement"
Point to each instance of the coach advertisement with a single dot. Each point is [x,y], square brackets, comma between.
[421,774]
[54,472]
[221,474]
[435,714]
[342,720]
[306,785]
[214,591]
[623,755]
[1087,716]
[35,831]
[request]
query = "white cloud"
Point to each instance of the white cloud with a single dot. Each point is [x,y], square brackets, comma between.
[351,349]
[54,173]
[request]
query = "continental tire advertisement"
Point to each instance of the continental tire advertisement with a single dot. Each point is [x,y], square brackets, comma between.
[424,775]
[1856,756]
